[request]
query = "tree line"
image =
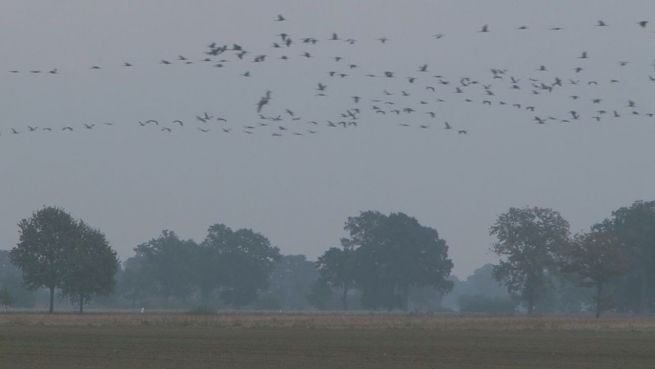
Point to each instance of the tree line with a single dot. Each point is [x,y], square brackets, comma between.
[386,262]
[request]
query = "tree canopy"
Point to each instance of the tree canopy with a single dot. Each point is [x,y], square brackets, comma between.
[597,258]
[394,253]
[91,266]
[45,240]
[529,241]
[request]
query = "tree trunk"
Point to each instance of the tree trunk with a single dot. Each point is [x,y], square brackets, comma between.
[344,298]
[52,300]
[599,298]
[530,303]
[81,304]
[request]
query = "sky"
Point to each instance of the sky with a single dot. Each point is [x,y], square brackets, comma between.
[132,182]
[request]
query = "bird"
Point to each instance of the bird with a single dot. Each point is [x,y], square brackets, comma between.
[263,101]
[642,24]
[484,28]
[601,23]
[280,18]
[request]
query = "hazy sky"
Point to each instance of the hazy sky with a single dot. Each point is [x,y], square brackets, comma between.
[132,181]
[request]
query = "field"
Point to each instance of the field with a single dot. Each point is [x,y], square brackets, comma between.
[128,341]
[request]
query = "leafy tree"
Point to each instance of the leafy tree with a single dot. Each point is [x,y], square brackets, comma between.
[5,298]
[245,260]
[394,253]
[337,268]
[635,227]
[42,250]
[597,257]
[169,262]
[91,265]
[12,279]
[291,281]
[320,294]
[528,242]
[134,281]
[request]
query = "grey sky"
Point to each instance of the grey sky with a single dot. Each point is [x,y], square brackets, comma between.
[132,182]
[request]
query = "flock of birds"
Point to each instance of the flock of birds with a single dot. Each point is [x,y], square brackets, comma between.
[412,99]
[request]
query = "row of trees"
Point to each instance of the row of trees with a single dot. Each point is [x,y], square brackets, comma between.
[616,257]
[385,262]
[56,251]
[233,266]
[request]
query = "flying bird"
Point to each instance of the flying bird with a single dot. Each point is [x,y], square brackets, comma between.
[263,101]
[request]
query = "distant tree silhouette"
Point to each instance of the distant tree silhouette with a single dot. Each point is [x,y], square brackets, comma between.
[394,253]
[169,262]
[6,300]
[42,251]
[528,240]
[597,257]
[338,269]
[245,259]
[634,226]
[91,266]
[134,281]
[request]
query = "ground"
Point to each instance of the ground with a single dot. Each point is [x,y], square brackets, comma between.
[304,341]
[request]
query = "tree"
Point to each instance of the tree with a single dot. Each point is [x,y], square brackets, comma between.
[320,294]
[5,298]
[91,266]
[134,282]
[635,227]
[42,250]
[394,253]
[337,269]
[245,259]
[11,278]
[169,262]
[528,243]
[291,281]
[597,257]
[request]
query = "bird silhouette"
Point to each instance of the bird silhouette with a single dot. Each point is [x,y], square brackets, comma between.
[264,100]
